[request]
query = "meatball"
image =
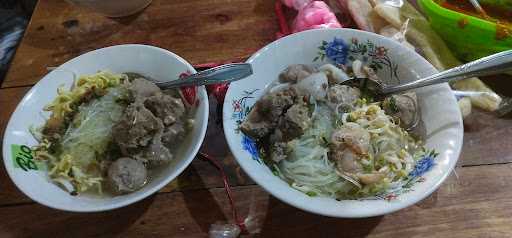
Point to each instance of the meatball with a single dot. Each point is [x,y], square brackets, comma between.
[342,95]
[141,88]
[126,175]
[403,108]
[296,72]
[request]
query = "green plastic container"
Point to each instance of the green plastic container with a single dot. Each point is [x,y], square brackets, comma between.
[469,37]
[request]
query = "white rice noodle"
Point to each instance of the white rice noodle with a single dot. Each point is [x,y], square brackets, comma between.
[308,168]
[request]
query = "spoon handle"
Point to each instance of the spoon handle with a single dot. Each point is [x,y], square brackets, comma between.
[221,74]
[493,64]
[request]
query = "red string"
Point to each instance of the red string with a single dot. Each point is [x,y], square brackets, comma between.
[238,220]
[218,91]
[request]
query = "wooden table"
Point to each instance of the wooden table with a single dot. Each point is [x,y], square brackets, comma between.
[476,203]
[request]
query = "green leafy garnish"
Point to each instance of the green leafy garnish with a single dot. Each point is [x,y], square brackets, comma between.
[325,141]
[392,104]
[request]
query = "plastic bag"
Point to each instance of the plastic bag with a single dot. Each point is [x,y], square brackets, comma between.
[489,101]
[251,225]
[425,39]
[315,15]
[224,231]
[312,15]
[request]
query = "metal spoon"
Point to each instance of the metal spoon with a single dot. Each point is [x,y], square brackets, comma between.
[493,64]
[221,74]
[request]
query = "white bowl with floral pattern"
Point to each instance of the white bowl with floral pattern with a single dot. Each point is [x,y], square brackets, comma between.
[393,63]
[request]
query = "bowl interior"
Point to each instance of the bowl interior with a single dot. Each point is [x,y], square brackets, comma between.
[146,60]
[395,64]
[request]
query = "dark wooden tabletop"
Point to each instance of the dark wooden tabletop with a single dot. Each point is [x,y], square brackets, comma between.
[475,203]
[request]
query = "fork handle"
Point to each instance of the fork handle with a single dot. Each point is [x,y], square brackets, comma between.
[493,64]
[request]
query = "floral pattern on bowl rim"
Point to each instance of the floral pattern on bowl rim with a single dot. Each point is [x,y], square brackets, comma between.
[339,53]
[240,111]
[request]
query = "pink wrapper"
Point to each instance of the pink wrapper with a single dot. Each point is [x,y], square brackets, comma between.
[314,15]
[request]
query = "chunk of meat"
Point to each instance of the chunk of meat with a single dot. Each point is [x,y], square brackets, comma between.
[256,129]
[126,175]
[275,104]
[265,114]
[139,134]
[296,72]
[156,152]
[152,123]
[403,108]
[299,115]
[354,138]
[296,120]
[174,134]
[167,108]
[142,88]
[136,129]
[289,129]
[276,136]
[343,95]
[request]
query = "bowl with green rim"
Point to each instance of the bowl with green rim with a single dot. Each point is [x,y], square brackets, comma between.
[468,36]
